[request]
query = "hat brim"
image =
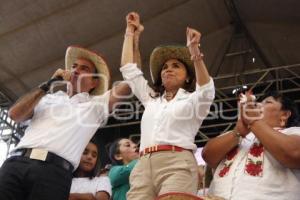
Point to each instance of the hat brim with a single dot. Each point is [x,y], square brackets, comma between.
[162,54]
[75,52]
[178,196]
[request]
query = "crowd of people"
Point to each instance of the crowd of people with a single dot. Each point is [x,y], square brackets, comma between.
[58,159]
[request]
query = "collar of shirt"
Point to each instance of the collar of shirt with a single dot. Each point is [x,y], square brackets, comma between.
[77,98]
[181,94]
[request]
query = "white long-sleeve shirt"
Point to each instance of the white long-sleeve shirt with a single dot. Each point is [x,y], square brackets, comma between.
[175,122]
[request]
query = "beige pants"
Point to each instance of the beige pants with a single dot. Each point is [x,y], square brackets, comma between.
[161,172]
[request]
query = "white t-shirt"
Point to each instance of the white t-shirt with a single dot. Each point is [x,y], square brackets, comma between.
[87,185]
[64,125]
[277,182]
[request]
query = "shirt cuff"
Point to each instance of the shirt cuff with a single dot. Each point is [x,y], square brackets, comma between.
[208,89]
[209,85]
[130,71]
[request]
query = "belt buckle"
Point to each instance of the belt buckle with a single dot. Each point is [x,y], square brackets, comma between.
[173,148]
[15,153]
[38,154]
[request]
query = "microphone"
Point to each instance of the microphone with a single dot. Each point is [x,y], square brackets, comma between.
[58,78]
[46,85]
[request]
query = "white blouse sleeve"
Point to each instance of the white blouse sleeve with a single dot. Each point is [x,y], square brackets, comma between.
[138,84]
[202,99]
[295,130]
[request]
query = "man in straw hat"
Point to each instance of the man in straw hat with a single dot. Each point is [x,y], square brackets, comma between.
[62,123]
[185,196]
[174,111]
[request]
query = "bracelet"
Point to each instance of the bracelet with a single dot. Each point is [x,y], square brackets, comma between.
[197,57]
[188,44]
[44,86]
[237,135]
[128,34]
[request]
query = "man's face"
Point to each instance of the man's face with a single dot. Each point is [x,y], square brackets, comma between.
[82,79]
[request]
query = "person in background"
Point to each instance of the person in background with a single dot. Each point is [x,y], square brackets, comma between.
[123,154]
[85,184]
[260,157]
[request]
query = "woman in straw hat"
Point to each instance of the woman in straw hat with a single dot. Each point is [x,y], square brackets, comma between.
[174,111]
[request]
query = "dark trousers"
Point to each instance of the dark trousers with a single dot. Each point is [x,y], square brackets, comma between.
[22,178]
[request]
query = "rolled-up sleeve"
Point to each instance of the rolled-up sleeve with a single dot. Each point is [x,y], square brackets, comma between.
[136,81]
[292,131]
[203,98]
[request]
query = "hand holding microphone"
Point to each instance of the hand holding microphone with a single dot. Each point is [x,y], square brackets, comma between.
[60,75]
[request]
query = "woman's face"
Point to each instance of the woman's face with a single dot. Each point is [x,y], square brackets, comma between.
[272,113]
[173,74]
[128,151]
[89,158]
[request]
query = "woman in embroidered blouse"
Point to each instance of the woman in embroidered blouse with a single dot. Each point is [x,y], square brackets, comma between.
[260,158]
[174,111]
[85,186]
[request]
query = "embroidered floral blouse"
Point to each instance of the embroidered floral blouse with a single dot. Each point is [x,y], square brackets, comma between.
[249,172]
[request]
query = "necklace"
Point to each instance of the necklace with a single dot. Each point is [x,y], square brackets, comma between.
[169,96]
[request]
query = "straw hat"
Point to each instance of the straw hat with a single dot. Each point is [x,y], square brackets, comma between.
[161,54]
[75,52]
[185,196]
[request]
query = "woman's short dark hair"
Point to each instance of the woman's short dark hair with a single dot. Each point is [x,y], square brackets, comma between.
[287,105]
[94,172]
[188,86]
[114,149]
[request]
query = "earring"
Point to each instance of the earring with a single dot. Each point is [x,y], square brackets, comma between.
[282,123]
[187,80]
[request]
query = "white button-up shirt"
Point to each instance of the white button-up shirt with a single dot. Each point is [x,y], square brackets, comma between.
[175,122]
[64,125]
[276,183]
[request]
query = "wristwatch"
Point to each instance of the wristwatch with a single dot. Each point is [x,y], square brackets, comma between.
[237,135]
[45,86]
